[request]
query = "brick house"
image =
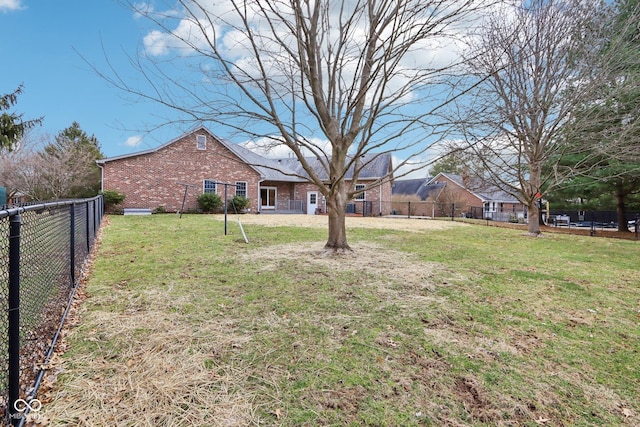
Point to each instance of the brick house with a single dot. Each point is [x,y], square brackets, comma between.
[199,162]
[444,193]
[476,200]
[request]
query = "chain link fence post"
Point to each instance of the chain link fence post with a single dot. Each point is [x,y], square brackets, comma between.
[13,376]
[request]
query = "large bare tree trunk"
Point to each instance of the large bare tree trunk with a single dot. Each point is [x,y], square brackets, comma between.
[336,207]
[533,207]
[534,218]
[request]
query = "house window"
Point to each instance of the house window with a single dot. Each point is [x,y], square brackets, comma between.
[201,142]
[359,195]
[241,188]
[209,186]
[501,207]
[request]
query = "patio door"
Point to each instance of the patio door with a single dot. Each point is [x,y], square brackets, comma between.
[268,198]
[312,202]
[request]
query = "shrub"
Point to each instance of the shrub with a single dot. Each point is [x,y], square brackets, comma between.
[209,202]
[238,203]
[111,199]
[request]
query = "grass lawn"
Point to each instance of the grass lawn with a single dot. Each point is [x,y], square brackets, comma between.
[460,326]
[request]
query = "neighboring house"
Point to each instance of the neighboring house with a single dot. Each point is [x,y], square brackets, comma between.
[478,200]
[198,162]
[446,193]
[416,197]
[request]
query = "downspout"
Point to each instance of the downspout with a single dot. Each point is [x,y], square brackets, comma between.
[259,204]
[380,198]
[101,175]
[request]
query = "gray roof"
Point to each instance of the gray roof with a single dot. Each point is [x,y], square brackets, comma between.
[423,188]
[375,166]
[408,186]
[269,169]
[285,170]
[484,191]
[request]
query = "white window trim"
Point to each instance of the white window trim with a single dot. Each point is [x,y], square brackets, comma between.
[362,196]
[201,142]
[275,195]
[245,188]
[204,186]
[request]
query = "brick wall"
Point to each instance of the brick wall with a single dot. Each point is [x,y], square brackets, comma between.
[456,195]
[155,179]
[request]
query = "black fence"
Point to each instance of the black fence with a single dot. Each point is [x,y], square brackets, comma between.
[45,247]
[360,207]
[607,219]
[435,209]
[560,218]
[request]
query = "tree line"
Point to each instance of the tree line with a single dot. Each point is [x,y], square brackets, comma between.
[59,167]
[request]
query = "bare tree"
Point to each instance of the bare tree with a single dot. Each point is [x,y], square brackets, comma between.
[18,166]
[369,76]
[40,170]
[536,70]
[62,174]
[450,202]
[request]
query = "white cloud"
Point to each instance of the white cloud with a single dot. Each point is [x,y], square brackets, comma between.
[272,148]
[133,141]
[10,5]
[407,88]
[156,43]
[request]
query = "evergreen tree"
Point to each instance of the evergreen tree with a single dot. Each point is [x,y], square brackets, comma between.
[606,172]
[71,170]
[12,126]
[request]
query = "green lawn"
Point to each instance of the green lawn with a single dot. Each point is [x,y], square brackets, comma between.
[469,326]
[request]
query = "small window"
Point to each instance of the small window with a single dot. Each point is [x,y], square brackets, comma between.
[359,195]
[201,142]
[241,188]
[209,186]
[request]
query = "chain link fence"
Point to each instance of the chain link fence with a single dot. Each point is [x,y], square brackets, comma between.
[45,247]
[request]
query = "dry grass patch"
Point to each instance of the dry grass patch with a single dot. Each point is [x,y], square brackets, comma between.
[150,367]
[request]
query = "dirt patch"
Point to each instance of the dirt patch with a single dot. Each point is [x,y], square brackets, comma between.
[380,265]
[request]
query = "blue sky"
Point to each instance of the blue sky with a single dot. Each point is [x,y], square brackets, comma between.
[48,45]
[41,46]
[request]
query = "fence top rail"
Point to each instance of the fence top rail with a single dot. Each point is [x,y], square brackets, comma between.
[46,205]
